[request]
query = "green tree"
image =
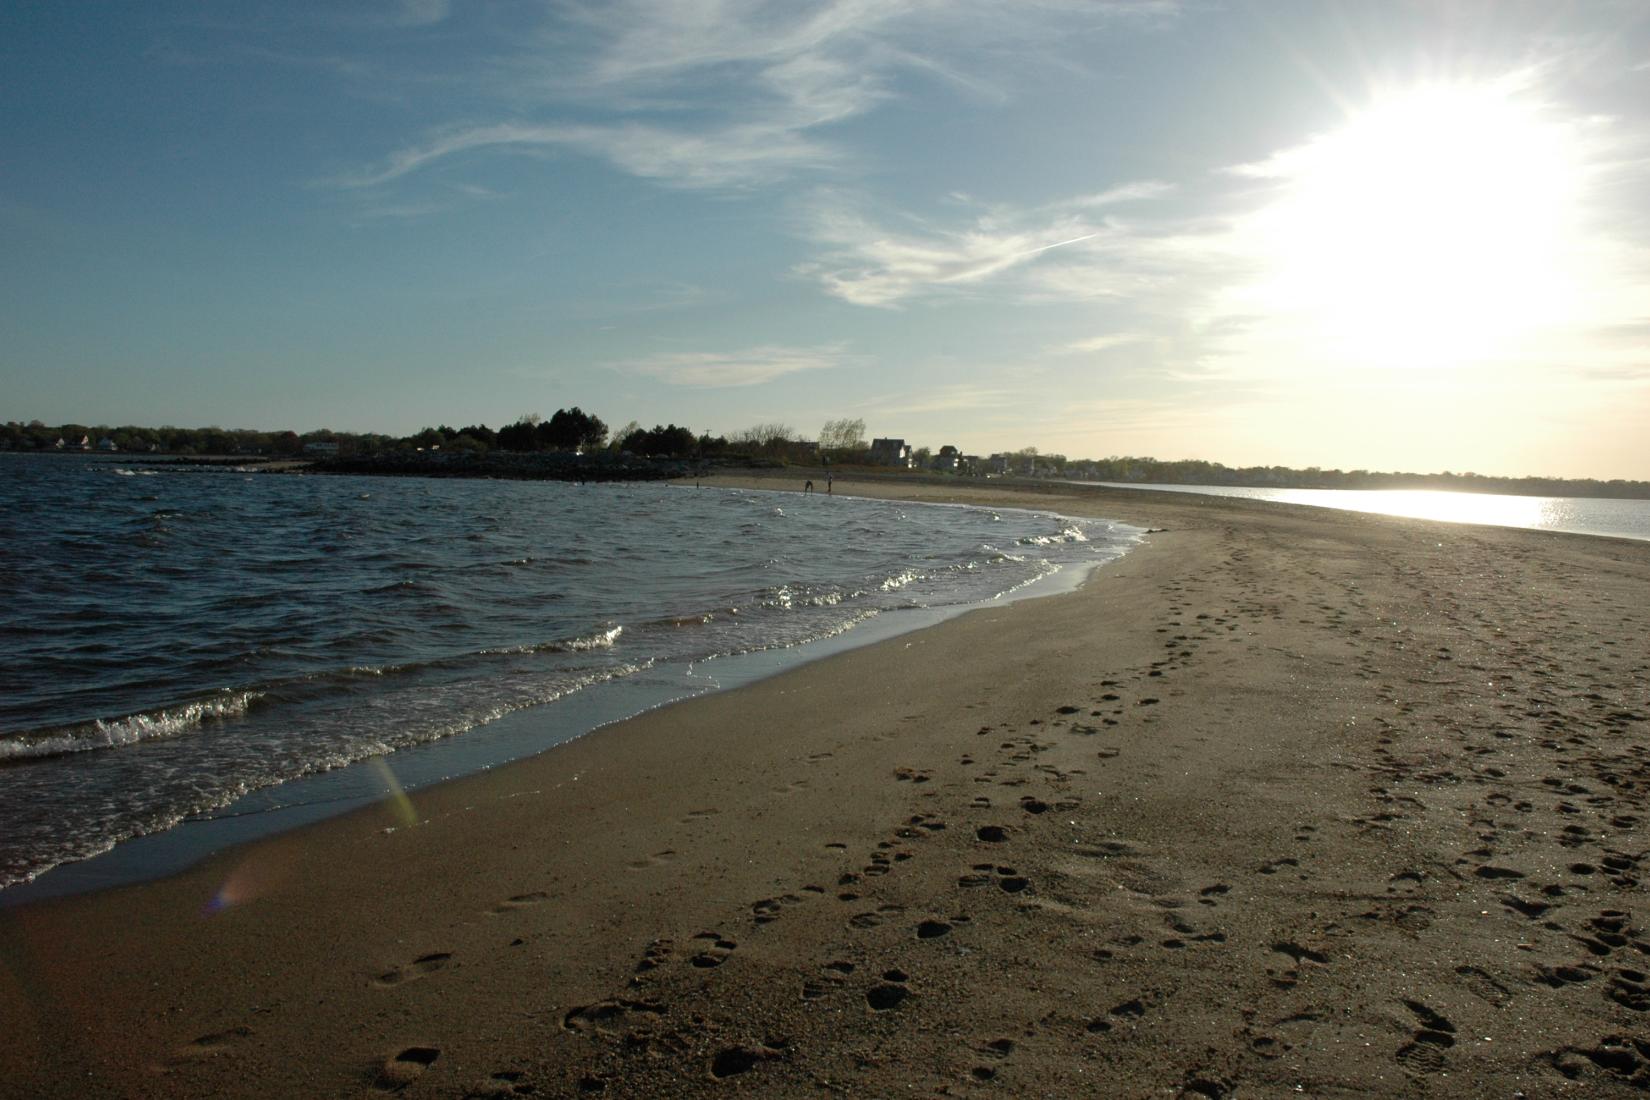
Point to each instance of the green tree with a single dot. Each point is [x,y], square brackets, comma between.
[573,430]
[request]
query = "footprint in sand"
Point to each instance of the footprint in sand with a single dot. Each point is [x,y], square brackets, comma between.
[519,901]
[402,1069]
[873,918]
[814,990]
[603,1015]
[996,1050]
[214,1045]
[657,954]
[734,1060]
[512,1082]
[1481,985]
[1424,1053]
[767,910]
[420,967]
[1208,894]
[888,993]
[1006,879]
[657,859]
[714,950]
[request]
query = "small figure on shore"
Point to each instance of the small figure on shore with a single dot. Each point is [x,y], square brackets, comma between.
[827,484]
[808,486]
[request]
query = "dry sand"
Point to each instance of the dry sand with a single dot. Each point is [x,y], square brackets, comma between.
[1286,802]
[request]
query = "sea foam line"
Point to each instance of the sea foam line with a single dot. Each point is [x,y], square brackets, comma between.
[107,733]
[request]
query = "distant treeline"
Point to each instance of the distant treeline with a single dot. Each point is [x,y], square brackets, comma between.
[568,430]
[35,436]
[1194,472]
[573,431]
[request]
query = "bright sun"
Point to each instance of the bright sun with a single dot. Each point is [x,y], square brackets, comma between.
[1436,229]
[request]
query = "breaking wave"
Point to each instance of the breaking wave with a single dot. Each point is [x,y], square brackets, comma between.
[108,733]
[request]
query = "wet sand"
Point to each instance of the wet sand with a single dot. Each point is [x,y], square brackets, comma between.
[1285,802]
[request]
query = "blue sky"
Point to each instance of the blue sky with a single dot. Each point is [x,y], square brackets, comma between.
[1378,235]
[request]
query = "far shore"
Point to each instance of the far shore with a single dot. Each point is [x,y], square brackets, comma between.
[1285,802]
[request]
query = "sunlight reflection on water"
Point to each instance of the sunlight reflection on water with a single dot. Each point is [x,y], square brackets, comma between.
[1580,515]
[1502,511]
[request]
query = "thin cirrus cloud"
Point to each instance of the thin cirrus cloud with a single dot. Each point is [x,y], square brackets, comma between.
[866,264]
[721,370]
[949,398]
[732,156]
[760,80]
[1102,343]
[423,13]
[765,76]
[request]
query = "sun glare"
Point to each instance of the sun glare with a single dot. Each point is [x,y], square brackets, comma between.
[1435,229]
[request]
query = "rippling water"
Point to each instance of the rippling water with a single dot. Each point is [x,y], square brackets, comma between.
[173,638]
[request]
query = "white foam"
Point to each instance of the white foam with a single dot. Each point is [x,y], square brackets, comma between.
[113,732]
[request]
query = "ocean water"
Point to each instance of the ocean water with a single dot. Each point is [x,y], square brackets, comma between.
[173,638]
[1628,519]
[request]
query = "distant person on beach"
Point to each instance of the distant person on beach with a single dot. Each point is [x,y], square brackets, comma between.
[827,484]
[807,486]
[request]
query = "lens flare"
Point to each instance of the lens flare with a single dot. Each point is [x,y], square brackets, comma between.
[394,797]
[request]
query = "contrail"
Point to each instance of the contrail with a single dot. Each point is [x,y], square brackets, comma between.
[980,271]
[1056,244]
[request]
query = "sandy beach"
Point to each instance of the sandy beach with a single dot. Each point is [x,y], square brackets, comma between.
[1285,802]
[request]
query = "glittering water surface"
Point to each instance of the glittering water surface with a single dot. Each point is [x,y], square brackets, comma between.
[172,638]
[1629,519]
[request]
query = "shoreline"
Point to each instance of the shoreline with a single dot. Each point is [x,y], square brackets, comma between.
[308,799]
[1276,801]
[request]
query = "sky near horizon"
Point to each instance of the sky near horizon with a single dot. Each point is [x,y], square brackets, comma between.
[1366,234]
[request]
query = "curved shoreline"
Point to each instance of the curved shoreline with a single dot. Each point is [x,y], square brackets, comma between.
[1330,841]
[307,799]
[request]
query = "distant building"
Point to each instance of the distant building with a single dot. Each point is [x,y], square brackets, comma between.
[107,444]
[949,458]
[321,447]
[890,452]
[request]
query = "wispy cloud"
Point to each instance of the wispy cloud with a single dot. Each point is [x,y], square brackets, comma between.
[868,264]
[1102,343]
[958,397]
[750,367]
[729,157]
[1128,192]
[717,94]
[422,13]
[695,93]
